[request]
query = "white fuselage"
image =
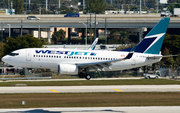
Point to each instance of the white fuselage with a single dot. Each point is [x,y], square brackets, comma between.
[50,58]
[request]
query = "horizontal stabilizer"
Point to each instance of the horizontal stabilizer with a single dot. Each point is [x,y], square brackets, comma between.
[154,57]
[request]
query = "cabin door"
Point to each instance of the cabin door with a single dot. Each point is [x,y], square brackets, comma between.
[28,56]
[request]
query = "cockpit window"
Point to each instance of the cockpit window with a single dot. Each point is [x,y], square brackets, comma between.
[14,54]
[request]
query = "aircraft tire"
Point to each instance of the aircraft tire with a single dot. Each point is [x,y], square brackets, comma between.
[88,76]
[81,75]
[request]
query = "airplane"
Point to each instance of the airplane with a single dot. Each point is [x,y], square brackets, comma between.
[81,62]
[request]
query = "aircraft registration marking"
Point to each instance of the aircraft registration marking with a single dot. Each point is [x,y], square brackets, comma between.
[54,91]
[118,90]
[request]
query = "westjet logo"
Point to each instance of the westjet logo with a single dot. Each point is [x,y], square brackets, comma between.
[69,53]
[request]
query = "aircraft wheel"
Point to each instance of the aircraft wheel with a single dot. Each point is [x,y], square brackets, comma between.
[88,76]
[81,75]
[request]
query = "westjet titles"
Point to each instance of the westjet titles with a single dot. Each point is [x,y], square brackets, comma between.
[69,53]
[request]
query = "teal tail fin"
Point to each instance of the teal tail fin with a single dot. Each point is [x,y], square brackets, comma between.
[153,41]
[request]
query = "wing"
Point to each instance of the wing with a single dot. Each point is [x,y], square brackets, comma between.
[98,65]
[104,64]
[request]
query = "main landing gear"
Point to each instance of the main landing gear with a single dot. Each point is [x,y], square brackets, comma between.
[84,75]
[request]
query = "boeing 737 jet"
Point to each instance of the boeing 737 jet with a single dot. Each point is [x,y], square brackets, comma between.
[73,62]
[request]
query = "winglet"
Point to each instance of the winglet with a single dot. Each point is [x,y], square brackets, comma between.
[93,45]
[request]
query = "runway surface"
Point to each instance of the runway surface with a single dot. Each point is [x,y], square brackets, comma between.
[85,89]
[152,109]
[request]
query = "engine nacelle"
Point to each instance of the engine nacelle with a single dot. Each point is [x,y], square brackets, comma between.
[67,69]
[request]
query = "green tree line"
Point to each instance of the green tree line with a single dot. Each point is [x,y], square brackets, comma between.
[171,45]
[26,41]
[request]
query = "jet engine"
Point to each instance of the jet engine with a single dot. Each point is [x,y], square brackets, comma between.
[67,69]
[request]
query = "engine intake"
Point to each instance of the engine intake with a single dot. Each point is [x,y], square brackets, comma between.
[67,69]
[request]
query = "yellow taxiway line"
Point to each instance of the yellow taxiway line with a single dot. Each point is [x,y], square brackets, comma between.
[118,90]
[54,91]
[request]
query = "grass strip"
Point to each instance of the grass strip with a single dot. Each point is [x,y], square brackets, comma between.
[94,82]
[90,99]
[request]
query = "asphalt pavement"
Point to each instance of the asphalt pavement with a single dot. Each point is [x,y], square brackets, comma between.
[86,89]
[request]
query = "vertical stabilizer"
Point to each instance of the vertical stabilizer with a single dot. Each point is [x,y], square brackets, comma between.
[153,41]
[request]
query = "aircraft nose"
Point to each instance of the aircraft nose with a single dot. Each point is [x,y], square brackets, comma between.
[5,59]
